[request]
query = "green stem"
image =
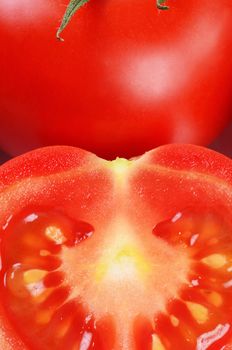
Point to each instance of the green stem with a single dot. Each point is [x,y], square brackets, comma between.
[75,5]
[160,6]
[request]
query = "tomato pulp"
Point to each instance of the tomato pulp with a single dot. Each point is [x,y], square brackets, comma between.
[128,77]
[128,254]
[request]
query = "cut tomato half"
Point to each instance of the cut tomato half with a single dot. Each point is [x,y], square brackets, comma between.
[122,255]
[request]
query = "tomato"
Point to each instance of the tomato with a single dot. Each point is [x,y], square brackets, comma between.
[124,254]
[128,77]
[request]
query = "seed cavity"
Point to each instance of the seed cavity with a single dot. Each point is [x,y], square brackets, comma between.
[216,261]
[199,312]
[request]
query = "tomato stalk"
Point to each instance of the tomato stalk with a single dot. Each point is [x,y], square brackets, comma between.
[75,5]
[160,6]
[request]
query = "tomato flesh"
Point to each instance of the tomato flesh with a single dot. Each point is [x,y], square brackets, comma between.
[59,279]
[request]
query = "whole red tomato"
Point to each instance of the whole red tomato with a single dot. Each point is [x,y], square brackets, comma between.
[127,77]
[120,255]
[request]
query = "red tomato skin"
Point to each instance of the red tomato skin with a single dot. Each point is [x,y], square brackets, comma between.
[174,168]
[127,78]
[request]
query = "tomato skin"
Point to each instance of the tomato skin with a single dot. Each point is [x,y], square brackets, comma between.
[127,78]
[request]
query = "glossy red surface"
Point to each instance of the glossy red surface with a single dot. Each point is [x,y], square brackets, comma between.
[127,78]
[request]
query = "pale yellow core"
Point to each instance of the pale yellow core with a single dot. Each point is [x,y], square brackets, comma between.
[127,263]
[120,168]
[216,261]
[119,165]
[199,312]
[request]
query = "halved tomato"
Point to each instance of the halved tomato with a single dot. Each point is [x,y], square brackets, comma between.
[124,255]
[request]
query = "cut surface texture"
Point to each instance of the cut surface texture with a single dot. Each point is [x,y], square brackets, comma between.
[122,255]
[124,278]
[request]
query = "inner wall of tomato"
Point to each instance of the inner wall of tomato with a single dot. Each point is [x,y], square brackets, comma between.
[122,255]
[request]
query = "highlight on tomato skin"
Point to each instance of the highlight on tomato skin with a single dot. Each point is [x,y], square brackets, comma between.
[129,254]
